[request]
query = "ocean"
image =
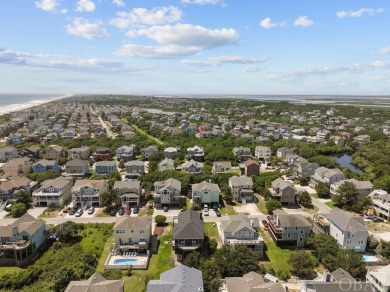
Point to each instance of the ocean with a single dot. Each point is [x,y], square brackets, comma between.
[14,102]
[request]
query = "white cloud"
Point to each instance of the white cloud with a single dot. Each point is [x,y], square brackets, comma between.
[119,3]
[47,5]
[29,61]
[85,5]
[64,11]
[188,35]
[267,23]
[385,51]
[251,69]
[200,2]
[156,52]
[359,13]
[219,60]
[137,16]
[89,30]
[303,21]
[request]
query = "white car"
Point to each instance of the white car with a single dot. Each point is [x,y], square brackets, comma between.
[205,212]
[91,210]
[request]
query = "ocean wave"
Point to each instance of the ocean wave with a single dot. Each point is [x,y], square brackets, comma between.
[25,105]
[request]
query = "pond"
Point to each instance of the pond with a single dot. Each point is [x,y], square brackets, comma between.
[345,160]
[157,111]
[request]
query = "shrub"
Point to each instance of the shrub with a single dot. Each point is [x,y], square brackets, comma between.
[18,210]
[160,220]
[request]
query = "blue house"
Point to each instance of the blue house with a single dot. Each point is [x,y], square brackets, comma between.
[21,240]
[45,165]
[15,138]
[105,167]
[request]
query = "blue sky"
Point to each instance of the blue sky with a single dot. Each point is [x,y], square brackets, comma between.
[195,46]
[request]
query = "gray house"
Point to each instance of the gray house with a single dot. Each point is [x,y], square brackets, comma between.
[283,191]
[188,233]
[167,192]
[128,191]
[134,169]
[180,278]
[250,282]
[242,188]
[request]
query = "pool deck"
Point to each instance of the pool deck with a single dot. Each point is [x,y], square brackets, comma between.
[142,262]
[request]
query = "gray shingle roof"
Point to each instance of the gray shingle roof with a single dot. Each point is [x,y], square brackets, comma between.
[135,223]
[26,223]
[252,282]
[205,185]
[130,184]
[95,283]
[345,222]
[238,222]
[241,180]
[189,226]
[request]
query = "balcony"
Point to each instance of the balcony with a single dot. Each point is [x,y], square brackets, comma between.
[18,245]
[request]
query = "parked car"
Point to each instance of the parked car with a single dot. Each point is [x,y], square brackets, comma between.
[135,210]
[378,219]
[113,212]
[91,210]
[291,177]
[368,216]
[79,213]
[121,211]
[265,223]
[205,212]
[166,209]
[72,211]
[218,213]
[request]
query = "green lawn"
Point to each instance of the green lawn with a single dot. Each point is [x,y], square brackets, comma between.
[312,210]
[143,133]
[277,256]
[104,255]
[330,204]
[236,171]
[228,210]
[159,263]
[315,196]
[7,270]
[261,205]
[211,231]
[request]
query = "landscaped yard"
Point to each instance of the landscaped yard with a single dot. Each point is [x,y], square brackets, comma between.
[312,210]
[228,210]
[315,196]
[158,263]
[7,270]
[261,204]
[104,255]
[277,256]
[330,204]
[211,231]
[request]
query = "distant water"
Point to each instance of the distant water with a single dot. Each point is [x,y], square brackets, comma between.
[345,160]
[14,102]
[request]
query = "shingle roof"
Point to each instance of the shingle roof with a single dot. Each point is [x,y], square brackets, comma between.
[58,182]
[26,223]
[341,275]
[95,283]
[345,222]
[282,184]
[130,184]
[134,223]
[382,275]
[252,282]
[205,185]
[291,220]
[96,184]
[238,222]
[225,164]
[45,162]
[189,226]
[77,162]
[241,180]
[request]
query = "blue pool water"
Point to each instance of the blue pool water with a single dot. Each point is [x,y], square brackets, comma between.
[126,262]
[369,259]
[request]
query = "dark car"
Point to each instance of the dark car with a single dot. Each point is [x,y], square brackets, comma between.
[378,219]
[72,211]
[304,183]
[121,211]
[218,213]
[166,209]
[135,210]
[113,212]
[265,223]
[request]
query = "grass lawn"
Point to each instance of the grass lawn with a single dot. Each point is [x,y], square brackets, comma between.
[312,210]
[158,263]
[330,204]
[104,255]
[211,231]
[236,171]
[7,270]
[102,214]
[315,196]
[143,133]
[277,256]
[49,214]
[261,205]
[228,210]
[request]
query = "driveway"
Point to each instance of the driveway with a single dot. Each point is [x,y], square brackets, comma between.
[170,214]
[308,189]
[36,211]
[249,208]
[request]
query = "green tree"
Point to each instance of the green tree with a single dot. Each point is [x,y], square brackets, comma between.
[160,220]
[18,210]
[272,205]
[66,231]
[305,199]
[211,276]
[108,198]
[121,163]
[24,197]
[347,197]
[323,245]
[303,264]
[349,260]
[193,260]
[323,190]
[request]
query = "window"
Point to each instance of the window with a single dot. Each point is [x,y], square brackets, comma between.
[296,228]
[301,231]
[194,242]
[142,231]
[288,235]
[285,228]
[120,231]
[300,239]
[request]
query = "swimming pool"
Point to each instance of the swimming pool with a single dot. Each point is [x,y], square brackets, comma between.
[370,259]
[126,262]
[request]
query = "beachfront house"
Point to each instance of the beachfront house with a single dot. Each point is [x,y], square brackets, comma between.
[56,191]
[86,192]
[129,192]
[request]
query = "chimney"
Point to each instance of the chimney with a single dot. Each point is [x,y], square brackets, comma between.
[15,231]
[326,276]
[252,223]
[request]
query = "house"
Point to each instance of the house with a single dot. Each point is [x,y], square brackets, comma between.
[380,203]
[288,229]
[133,234]
[284,151]
[86,192]
[221,167]
[102,154]
[263,153]
[79,153]
[195,153]
[364,188]
[362,138]
[45,165]
[149,151]
[9,188]
[193,166]
[337,140]
[180,278]
[21,241]
[188,233]
[337,281]
[56,191]
[167,192]
[8,153]
[17,167]
[251,167]
[166,164]
[105,167]
[379,278]
[134,169]
[305,169]
[170,151]
[239,229]
[33,152]
[350,232]
[326,175]
[205,193]
[241,188]
[128,191]
[283,191]
[95,283]
[242,153]
[15,138]
[77,167]
[250,282]
[54,152]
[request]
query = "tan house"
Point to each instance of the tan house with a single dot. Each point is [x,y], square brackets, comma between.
[56,191]
[133,233]
[86,192]
[7,153]
[54,152]
[79,153]
[129,192]
[17,167]
[77,167]
[95,283]
[221,167]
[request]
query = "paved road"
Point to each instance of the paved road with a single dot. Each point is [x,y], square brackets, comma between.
[110,134]
[322,208]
